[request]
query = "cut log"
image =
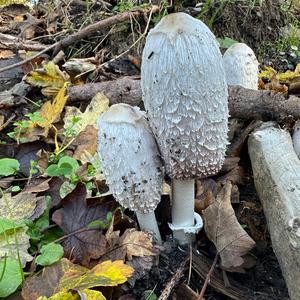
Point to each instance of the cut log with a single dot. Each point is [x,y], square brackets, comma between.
[243,103]
[276,170]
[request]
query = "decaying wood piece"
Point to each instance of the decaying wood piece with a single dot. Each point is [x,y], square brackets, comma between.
[276,170]
[262,104]
[125,90]
[243,103]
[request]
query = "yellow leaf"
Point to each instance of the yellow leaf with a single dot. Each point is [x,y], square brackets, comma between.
[51,78]
[107,273]
[97,106]
[117,271]
[61,296]
[268,72]
[4,3]
[51,111]
[91,295]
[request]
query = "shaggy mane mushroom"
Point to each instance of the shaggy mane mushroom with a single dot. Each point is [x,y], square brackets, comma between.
[241,66]
[185,96]
[131,162]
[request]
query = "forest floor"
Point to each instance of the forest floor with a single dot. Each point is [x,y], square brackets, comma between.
[54,202]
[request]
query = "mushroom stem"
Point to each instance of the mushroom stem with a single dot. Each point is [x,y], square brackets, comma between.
[183,206]
[148,222]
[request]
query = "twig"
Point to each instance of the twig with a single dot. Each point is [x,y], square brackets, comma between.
[90,29]
[85,32]
[140,37]
[173,281]
[27,60]
[207,279]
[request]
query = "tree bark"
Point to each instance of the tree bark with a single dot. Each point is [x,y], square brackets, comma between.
[276,170]
[243,103]
[124,90]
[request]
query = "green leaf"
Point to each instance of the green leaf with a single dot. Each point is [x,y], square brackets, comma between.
[226,42]
[149,295]
[98,224]
[50,254]
[53,170]
[8,166]
[15,188]
[68,161]
[7,224]
[12,277]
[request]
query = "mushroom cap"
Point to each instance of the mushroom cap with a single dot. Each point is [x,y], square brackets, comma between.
[241,66]
[130,158]
[185,95]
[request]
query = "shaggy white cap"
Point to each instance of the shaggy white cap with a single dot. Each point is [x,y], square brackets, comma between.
[241,66]
[130,158]
[185,95]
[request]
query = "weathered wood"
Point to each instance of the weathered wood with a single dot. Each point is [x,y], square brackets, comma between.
[125,90]
[243,103]
[276,170]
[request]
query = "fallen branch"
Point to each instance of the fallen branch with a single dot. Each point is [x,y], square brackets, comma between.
[11,42]
[243,103]
[125,90]
[87,31]
[276,170]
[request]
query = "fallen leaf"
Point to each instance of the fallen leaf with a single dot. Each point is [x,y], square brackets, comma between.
[4,3]
[82,243]
[97,106]
[65,276]
[20,207]
[37,185]
[107,273]
[51,79]
[14,243]
[6,54]
[61,296]
[86,144]
[136,243]
[51,111]
[224,230]
[46,282]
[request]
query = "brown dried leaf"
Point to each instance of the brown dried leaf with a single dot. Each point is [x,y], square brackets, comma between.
[4,54]
[224,230]
[206,191]
[82,243]
[86,143]
[136,243]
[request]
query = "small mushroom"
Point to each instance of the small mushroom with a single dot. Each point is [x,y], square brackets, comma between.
[131,162]
[185,95]
[241,66]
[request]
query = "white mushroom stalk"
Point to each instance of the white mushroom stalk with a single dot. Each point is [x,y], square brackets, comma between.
[185,95]
[131,162]
[241,66]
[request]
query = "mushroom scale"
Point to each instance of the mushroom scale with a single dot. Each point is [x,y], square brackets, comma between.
[130,158]
[241,66]
[185,96]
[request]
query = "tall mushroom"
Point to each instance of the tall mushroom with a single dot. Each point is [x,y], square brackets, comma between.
[185,95]
[131,162]
[241,66]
